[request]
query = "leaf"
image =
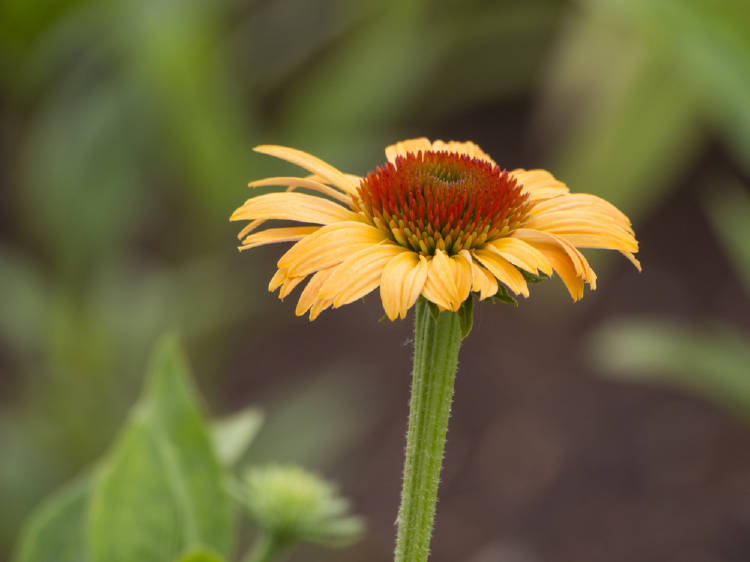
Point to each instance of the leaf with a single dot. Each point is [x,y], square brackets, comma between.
[531,278]
[636,125]
[232,435]
[709,362]
[161,489]
[56,531]
[503,296]
[729,212]
[466,316]
[201,555]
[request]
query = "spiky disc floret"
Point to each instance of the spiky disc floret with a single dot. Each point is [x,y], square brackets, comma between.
[430,200]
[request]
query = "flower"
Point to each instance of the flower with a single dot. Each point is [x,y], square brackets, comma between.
[295,505]
[438,219]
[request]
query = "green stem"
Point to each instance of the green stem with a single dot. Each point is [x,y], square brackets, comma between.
[266,548]
[436,345]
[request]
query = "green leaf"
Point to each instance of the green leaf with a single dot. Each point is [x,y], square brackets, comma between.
[531,278]
[201,555]
[709,362]
[233,434]
[466,316]
[161,489]
[56,531]
[729,212]
[503,296]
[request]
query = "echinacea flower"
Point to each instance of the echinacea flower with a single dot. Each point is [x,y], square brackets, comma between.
[438,219]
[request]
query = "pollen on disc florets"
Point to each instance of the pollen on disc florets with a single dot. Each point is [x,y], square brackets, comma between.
[442,200]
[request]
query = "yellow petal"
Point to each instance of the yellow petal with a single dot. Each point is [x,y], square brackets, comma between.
[483,282]
[464,275]
[319,307]
[468,148]
[359,274]
[581,201]
[402,148]
[274,235]
[277,280]
[564,267]
[611,235]
[503,270]
[294,207]
[402,281]
[289,285]
[311,163]
[579,262]
[305,183]
[329,246]
[539,184]
[448,280]
[521,254]
[309,295]
[423,144]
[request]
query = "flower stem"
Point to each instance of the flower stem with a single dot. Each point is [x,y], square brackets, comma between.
[266,548]
[436,345]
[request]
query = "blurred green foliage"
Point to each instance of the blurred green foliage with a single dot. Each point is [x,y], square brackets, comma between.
[162,491]
[711,361]
[125,138]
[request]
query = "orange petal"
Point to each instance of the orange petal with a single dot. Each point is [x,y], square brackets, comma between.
[521,254]
[402,282]
[503,270]
[309,296]
[294,207]
[359,274]
[448,281]
[329,246]
[539,184]
[312,164]
[305,183]
[274,235]
[483,282]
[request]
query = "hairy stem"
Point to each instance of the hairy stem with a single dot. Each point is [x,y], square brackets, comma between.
[436,345]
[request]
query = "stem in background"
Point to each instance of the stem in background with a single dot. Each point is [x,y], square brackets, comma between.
[436,345]
[266,548]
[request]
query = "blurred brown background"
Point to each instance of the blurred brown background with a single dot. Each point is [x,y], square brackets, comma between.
[614,429]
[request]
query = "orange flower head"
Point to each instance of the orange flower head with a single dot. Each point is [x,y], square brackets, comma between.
[442,200]
[439,220]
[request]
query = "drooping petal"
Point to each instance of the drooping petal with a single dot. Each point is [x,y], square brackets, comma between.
[312,164]
[329,246]
[277,280]
[359,274]
[611,234]
[538,239]
[289,285]
[483,282]
[578,202]
[521,254]
[539,184]
[294,207]
[564,267]
[274,235]
[305,183]
[503,270]
[309,296]
[448,280]
[401,283]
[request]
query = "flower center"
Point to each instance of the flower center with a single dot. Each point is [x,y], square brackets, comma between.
[430,200]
